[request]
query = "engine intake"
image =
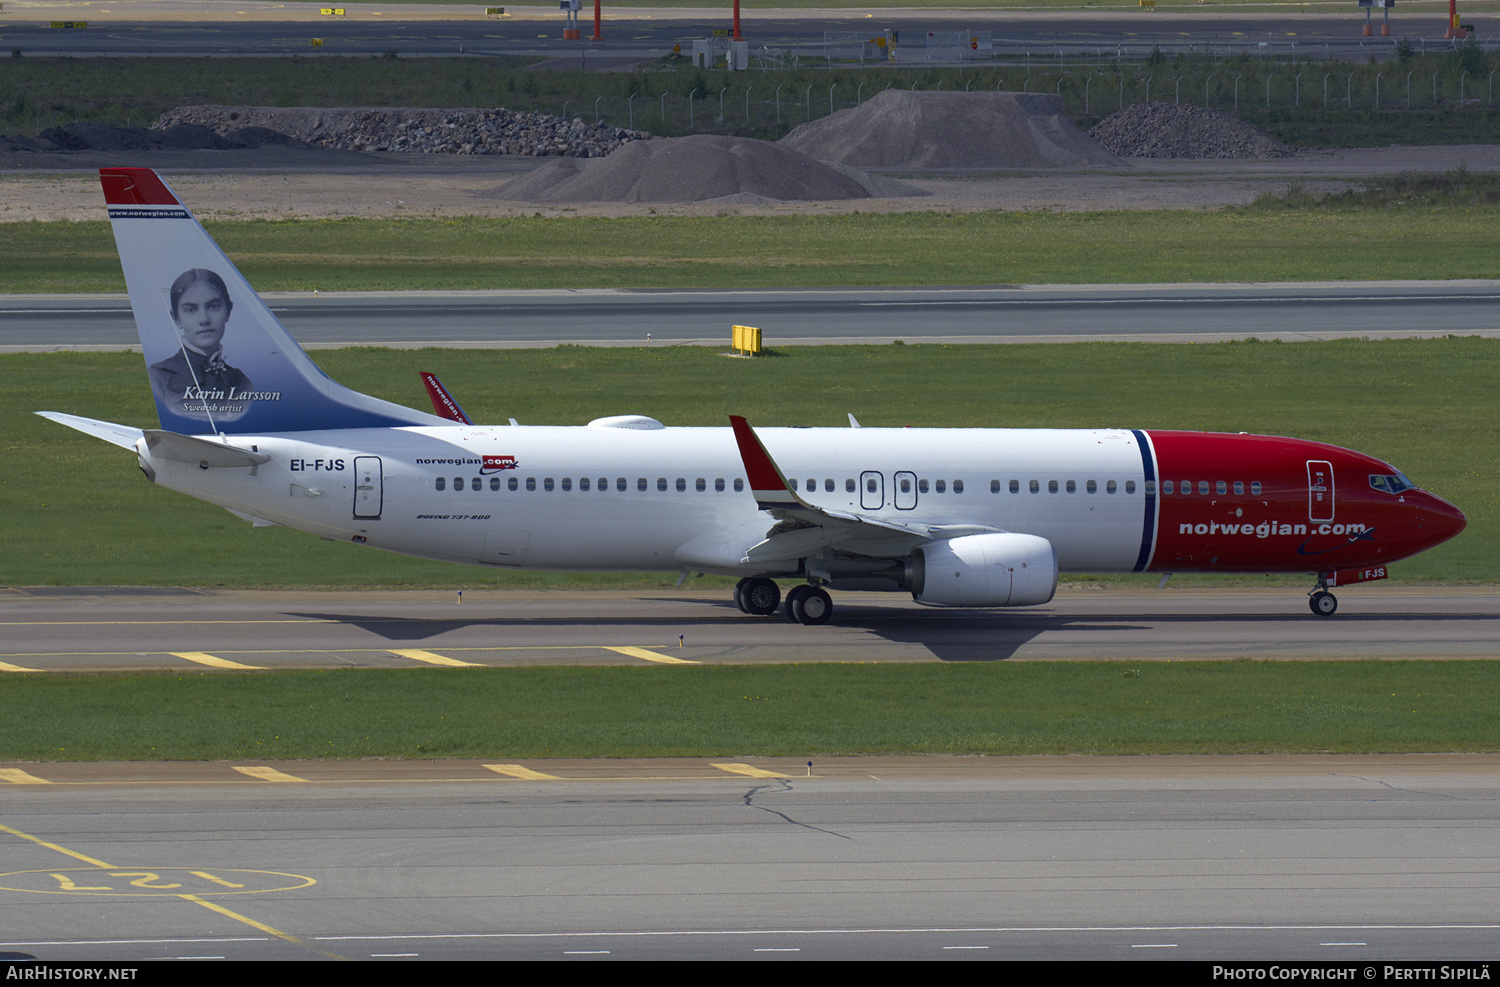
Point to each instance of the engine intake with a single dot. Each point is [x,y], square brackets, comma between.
[1003,569]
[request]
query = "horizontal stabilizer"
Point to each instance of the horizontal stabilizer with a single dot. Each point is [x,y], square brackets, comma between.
[205,453]
[121,435]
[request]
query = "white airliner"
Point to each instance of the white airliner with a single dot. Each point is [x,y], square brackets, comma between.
[956,517]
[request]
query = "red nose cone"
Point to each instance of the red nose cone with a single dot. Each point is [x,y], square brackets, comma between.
[1443,520]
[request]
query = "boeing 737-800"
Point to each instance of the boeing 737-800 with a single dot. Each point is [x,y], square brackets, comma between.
[960,517]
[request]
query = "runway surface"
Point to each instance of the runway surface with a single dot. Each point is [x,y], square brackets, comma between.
[82,629]
[1007,313]
[1353,860]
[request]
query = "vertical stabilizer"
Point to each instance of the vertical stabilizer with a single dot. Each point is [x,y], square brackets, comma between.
[219,360]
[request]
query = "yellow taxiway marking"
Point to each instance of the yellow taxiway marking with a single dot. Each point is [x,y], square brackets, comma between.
[521,771]
[416,654]
[203,658]
[6,667]
[650,656]
[92,861]
[266,773]
[749,770]
[285,936]
[18,777]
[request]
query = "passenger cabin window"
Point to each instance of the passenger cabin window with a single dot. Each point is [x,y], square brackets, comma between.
[1130,486]
[1239,487]
[1072,486]
[1035,486]
[739,484]
[1092,486]
[439,483]
[458,483]
[1052,486]
[1255,487]
[1221,488]
[1109,486]
[941,486]
[958,486]
[994,486]
[1015,486]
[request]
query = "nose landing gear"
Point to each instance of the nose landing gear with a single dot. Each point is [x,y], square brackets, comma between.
[1322,602]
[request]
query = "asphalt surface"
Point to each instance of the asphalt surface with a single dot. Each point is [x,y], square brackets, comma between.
[82,629]
[1356,861]
[1007,313]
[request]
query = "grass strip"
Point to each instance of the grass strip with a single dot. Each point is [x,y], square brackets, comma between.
[796,711]
[1423,242]
[74,511]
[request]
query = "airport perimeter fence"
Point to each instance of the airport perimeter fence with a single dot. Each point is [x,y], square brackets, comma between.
[776,94]
[1405,91]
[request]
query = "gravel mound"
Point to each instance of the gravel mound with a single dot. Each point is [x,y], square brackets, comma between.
[1170,130]
[903,129]
[702,168]
[422,131]
[78,137]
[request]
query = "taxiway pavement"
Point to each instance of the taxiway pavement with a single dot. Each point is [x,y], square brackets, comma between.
[1355,860]
[76,629]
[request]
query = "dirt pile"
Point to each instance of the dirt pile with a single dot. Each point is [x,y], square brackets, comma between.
[1170,130]
[903,129]
[703,168]
[422,131]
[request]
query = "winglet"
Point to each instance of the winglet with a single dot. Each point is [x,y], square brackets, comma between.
[766,480]
[442,401]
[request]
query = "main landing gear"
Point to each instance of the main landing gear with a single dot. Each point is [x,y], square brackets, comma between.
[805,604]
[1322,602]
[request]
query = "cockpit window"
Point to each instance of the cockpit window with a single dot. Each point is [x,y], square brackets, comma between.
[1391,484]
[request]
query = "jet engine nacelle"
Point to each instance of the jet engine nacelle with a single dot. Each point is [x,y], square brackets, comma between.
[1003,569]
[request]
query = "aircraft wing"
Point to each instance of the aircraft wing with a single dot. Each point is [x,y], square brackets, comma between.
[803,528]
